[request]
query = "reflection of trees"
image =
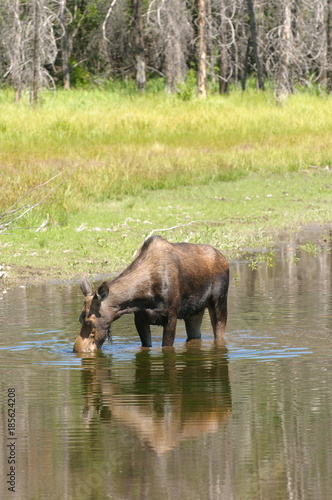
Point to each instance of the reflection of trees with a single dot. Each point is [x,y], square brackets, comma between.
[43,307]
[287,437]
[286,295]
[164,400]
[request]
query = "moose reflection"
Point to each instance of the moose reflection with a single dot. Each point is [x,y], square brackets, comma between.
[165,397]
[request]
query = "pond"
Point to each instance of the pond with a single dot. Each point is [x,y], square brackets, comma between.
[251,419]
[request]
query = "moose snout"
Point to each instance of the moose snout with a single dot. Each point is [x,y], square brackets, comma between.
[86,344]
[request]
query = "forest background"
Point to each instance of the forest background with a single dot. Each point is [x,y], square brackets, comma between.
[46,42]
[222,106]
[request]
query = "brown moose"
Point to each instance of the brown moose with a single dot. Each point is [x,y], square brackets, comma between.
[165,282]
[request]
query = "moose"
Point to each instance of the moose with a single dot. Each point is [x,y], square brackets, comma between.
[165,282]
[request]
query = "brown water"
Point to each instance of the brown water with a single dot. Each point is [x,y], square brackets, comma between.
[248,420]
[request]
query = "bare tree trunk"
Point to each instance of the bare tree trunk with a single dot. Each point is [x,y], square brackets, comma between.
[201,76]
[210,37]
[178,68]
[289,39]
[223,64]
[169,54]
[295,38]
[254,44]
[236,63]
[329,47]
[245,66]
[260,31]
[64,47]
[172,20]
[284,82]
[138,44]
[168,65]
[17,51]
[294,10]
[35,58]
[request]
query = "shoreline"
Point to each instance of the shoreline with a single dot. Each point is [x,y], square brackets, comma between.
[247,215]
[319,236]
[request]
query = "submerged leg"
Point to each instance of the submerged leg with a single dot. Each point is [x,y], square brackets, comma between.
[143,327]
[169,331]
[218,315]
[193,326]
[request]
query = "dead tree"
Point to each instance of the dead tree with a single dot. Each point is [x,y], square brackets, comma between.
[64,46]
[254,44]
[175,46]
[211,41]
[30,44]
[284,83]
[138,39]
[201,49]
[329,47]
[223,61]
[9,219]
[11,41]
[246,65]
[35,58]
[169,24]
[16,74]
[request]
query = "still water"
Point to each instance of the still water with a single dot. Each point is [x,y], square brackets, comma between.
[251,419]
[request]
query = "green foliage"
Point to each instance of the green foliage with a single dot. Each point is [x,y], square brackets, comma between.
[155,85]
[310,247]
[187,90]
[270,259]
[79,75]
[262,258]
[253,264]
[92,15]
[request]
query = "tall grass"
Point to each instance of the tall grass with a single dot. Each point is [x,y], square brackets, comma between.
[124,142]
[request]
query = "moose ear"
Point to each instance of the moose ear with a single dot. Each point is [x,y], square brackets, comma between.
[102,292]
[86,286]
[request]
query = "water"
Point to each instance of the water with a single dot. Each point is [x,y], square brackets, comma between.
[248,420]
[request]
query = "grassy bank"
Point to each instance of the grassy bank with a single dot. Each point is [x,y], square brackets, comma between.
[233,168]
[127,143]
[236,216]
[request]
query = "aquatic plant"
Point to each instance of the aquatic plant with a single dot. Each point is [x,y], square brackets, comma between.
[310,248]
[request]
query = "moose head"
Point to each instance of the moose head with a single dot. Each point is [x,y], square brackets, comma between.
[95,318]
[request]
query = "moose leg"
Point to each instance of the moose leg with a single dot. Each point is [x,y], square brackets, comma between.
[218,315]
[143,327]
[193,326]
[169,331]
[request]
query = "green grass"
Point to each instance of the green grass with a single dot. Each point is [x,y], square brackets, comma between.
[127,143]
[237,216]
[154,161]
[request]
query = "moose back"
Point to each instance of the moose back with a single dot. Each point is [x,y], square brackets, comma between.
[165,282]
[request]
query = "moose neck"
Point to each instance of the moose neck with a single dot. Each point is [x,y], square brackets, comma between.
[127,295]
